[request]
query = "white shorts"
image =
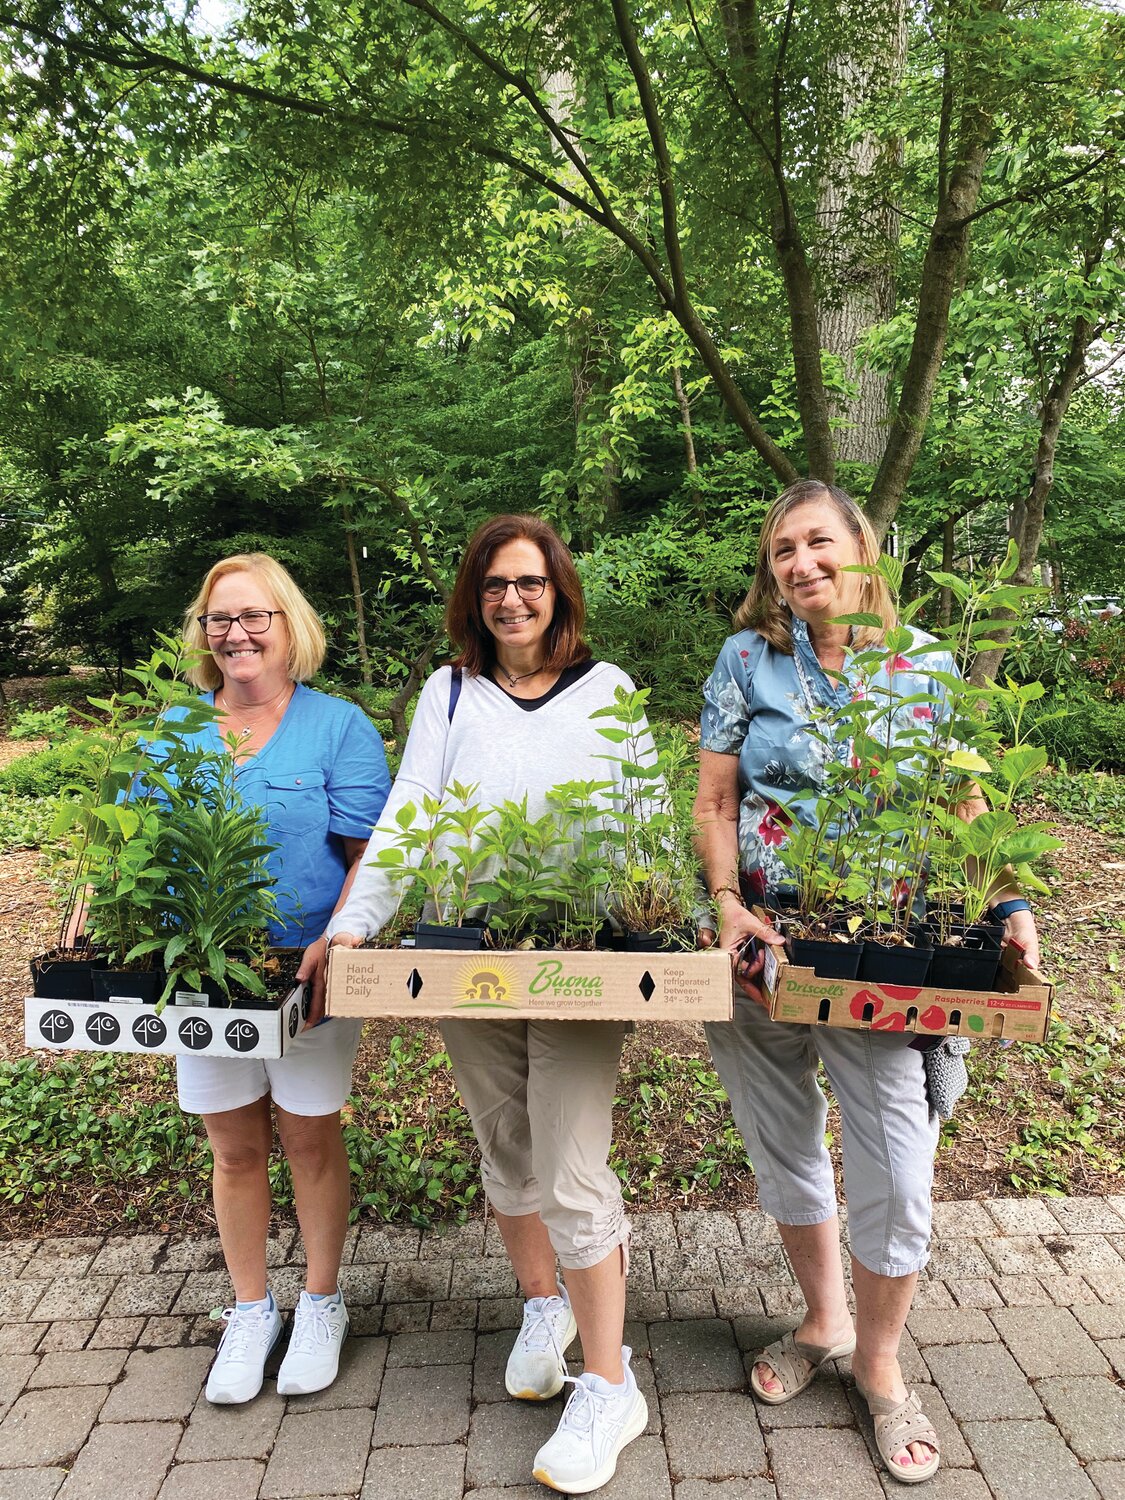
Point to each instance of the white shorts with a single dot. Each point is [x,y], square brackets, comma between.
[313,1078]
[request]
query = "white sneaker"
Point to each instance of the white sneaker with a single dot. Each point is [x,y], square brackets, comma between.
[597,1422]
[250,1334]
[537,1364]
[313,1356]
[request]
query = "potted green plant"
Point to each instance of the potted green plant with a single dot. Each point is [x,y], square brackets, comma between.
[217,897]
[437,845]
[652,889]
[524,886]
[112,826]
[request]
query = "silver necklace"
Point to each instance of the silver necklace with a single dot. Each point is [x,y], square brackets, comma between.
[248,729]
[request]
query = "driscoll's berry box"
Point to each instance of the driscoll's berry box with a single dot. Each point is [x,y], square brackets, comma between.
[1019,1009]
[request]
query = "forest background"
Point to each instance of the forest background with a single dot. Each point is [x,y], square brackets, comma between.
[339,279]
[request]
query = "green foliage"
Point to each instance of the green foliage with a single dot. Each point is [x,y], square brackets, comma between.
[39,723]
[1071,1109]
[1079,730]
[82,1126]
[1093,798]
[43,773]
[25,822]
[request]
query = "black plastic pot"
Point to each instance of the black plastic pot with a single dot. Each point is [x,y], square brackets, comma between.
[466,939]
[964,968]
[883,963]
[680,940]
[147,986]
[64,978]
[826,959]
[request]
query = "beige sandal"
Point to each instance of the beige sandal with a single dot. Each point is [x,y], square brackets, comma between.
[897,1425]
[795,1364]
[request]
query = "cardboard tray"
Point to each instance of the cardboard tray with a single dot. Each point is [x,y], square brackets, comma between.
[128,1026]
[546,984]
[1019,1009]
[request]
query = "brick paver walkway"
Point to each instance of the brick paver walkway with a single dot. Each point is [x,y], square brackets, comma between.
[1017,1343]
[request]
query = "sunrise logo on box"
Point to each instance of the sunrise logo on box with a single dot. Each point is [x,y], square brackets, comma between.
[487,985]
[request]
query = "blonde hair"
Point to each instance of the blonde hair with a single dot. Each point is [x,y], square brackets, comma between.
[307,645]
[762,611]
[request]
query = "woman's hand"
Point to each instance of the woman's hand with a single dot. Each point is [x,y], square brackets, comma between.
[1019,928]
[737,927]
[312,972]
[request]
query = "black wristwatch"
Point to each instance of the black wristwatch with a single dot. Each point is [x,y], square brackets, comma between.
[1004,909]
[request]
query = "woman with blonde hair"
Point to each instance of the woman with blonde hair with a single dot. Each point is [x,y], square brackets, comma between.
[785,670]
[316,766]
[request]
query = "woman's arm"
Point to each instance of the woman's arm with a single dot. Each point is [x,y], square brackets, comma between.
[716,816]
[312,970]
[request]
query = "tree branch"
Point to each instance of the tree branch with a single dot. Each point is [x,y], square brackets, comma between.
[1033,195]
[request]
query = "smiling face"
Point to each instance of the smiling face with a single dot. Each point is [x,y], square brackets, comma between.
[257,662]
[808,551]
[519,625]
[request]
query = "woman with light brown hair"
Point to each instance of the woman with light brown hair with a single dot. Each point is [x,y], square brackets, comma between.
[784,672]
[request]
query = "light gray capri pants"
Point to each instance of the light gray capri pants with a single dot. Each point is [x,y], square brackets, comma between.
[540,1095]
[768,1069]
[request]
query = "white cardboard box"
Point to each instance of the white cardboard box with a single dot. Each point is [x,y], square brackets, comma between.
[126,1026]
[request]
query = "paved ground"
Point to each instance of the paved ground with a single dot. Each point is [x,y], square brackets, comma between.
[1017,1343]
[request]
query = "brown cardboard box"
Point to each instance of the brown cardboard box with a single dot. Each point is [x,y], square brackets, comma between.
[1018,1010]
[549,984]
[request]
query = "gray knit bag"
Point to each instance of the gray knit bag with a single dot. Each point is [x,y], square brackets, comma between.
[947,1077]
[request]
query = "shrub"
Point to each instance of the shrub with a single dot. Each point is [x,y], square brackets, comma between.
[40,723]
[43,773]
[1089,735]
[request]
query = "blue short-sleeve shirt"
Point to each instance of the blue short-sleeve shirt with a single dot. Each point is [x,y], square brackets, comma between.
[759,704]
[322,777]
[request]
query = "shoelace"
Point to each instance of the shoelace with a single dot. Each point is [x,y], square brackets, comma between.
[583,1406]
[311,1327]
[537,1333]
[245,1326]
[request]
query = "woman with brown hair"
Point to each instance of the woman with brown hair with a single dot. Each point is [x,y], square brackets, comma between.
[511,718]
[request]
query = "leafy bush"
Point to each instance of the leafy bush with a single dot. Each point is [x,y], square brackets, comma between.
[43,773]
[40,723]
[25,822]
[1090,797]
[1089,734]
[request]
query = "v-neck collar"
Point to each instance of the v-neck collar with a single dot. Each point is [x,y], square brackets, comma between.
[835,690]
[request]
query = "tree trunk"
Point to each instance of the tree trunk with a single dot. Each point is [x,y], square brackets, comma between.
[357,600]
[1026,525]
[689,440]
[740,24]
[945,599]
[398,705]
[859,231]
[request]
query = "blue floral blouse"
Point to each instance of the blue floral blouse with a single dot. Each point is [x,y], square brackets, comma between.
[761,704]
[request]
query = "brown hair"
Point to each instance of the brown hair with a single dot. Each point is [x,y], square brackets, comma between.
[761,609]
[464,619]
[306,634]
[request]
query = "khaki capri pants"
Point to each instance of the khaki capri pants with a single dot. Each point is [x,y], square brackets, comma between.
[540,1096]
[768,1069]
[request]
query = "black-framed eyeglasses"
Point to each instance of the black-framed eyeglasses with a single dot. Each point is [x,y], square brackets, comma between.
[253,621]
[527,586]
